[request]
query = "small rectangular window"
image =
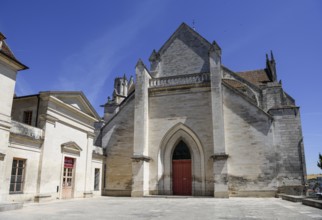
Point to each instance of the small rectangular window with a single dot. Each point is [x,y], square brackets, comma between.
[17,176]
[97,179]
[27,117]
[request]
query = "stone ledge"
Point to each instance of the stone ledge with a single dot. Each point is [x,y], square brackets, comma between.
[291,198]
[137,158]
[254,194]
[313,203]
[10,206]
[43,198]
[88,194]
[219,156]
[222,194]
[117,192]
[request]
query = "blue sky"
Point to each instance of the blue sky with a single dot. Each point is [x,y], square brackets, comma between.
[83,45]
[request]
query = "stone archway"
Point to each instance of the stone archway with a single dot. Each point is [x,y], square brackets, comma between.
[177,133]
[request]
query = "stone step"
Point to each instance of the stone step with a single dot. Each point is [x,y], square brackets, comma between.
[312,202]
[291,198]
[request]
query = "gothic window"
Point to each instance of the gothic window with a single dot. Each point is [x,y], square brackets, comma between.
[181,152]
[17,176]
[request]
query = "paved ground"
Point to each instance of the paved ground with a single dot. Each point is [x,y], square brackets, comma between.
[165,208]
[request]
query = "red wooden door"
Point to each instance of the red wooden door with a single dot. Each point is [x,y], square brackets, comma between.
[181,177]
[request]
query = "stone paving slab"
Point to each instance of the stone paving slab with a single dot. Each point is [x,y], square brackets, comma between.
[165,208]
[8,206]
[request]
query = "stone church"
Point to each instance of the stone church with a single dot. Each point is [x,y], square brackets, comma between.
[191,126]
[188,125]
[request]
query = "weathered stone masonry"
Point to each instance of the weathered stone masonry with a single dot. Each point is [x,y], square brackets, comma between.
[242,130]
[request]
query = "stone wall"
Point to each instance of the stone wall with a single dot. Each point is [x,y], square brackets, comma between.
[185,55]
[117,139]
[31,153]
[289,150]
[272,96]
[249,143]
[191,107]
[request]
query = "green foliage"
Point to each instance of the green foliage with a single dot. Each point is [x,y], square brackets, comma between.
[320,161]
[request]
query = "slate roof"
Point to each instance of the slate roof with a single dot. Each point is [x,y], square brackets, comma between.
[181,29]
[256,77]
[5,50]
[234,83]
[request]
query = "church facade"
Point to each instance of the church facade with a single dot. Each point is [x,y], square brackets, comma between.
[191,126]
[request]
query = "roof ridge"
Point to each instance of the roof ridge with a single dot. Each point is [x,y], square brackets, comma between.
[175,33]
[246,71]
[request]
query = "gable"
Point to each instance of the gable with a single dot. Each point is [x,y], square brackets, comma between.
[78,101]
[75,102]
[71,147]
[186,52]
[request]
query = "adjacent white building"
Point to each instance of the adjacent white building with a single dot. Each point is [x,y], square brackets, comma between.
[46,141]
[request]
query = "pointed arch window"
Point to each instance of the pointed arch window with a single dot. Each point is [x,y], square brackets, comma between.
[181,152]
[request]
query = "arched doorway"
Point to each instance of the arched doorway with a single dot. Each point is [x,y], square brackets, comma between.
[169,142]
[181,170]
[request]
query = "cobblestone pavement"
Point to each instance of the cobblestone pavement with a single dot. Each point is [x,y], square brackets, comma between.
[164,208]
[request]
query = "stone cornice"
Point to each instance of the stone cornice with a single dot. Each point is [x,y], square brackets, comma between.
[219,156]
[5,125]
[13,63]
[72,108]
[90,134]
[48,118]
[138,158]
[98,156]
[71,147]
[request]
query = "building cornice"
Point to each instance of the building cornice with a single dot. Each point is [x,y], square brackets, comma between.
[73,109]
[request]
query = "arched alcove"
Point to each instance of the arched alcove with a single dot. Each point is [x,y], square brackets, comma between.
[180,133]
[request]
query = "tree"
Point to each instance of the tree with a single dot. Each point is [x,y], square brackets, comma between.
[320,161]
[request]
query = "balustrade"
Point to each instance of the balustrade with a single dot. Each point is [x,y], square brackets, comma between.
[180,80]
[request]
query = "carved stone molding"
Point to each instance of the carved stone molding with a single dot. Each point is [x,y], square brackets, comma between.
[220,156]
[71,147]
[180,80]
[50,119]
[138,158]
[90,134]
